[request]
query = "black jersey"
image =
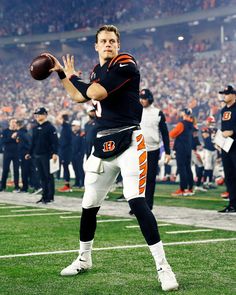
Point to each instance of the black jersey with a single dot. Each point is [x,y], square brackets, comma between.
[228,120]
[44,140]
[120,77]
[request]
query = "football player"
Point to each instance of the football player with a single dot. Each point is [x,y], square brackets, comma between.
[119,146]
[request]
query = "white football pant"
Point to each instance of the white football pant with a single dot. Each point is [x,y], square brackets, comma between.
[100,174]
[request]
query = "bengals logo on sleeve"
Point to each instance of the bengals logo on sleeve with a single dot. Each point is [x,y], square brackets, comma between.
[226,116]
[109,146]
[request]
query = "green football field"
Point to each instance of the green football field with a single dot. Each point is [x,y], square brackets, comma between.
[210,200]
[36,243]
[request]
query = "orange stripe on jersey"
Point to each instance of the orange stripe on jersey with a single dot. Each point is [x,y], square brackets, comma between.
[126,61]
[123,56]
[118,58]
[177,130]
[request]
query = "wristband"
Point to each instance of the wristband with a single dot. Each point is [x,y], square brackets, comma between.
[81,86]
[61,74]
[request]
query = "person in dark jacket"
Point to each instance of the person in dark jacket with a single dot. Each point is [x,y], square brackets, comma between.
[44,147]
[78,143]
[228,128]
[182,133]
[10,154]
[65,150]
[23,140]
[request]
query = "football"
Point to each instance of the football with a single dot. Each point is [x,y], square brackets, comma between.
[40,66]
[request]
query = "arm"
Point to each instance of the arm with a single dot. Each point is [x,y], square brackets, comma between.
[73,85]
[7,137]
[53,140]
[177,130]
[79,91]
[164,133]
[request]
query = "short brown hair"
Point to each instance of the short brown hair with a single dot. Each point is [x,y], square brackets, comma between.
[108,28]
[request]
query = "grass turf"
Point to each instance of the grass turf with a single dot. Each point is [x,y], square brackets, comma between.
[204,269]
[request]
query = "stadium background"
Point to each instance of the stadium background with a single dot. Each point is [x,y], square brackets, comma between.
[185,50]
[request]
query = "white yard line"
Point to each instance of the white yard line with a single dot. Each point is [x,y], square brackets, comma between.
[34,214]
[137,226]
[71,217]
[114,220]
[188,231]
[119,247]
[30,210]
[11,207]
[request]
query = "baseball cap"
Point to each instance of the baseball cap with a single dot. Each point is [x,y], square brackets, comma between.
[210,119]
[40,111]
[228,90]
[75,123]
[187,111]
[145,93]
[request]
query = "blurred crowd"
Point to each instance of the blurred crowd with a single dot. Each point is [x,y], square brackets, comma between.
[36,17]
[176,79]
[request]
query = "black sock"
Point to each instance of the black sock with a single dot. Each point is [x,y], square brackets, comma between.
[88,224]
[146,220]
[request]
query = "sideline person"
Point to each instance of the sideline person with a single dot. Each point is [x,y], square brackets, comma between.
[228,128]
[44,147]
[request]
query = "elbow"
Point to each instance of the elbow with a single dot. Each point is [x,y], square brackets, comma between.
[96,92]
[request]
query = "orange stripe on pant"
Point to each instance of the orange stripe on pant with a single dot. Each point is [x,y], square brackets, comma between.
[142,163]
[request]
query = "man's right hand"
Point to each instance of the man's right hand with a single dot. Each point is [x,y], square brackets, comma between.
[57,66]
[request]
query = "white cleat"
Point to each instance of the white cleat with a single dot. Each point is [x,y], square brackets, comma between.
[167,278]
[79,265]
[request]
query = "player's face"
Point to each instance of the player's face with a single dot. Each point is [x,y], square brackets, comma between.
[40,118]
[229,98]
[144,102]
[12,124]
[107,46]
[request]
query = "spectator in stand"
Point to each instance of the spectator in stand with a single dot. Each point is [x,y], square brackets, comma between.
[20,18]
[78,147]
[10,154]
[65,150]
[182,133]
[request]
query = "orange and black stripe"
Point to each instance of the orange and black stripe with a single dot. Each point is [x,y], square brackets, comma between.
[122,58]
